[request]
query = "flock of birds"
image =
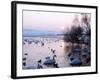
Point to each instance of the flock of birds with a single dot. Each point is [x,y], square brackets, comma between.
[79,56]
[76,57]
[42,41]
[50,61]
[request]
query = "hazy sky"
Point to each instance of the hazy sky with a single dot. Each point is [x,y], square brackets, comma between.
[50,21]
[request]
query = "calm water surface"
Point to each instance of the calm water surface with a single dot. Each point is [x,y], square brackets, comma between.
[38,48]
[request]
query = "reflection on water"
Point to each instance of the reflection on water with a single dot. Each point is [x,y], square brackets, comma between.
[44,52]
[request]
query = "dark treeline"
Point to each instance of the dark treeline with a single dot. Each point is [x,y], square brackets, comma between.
[77,35]
[80,35]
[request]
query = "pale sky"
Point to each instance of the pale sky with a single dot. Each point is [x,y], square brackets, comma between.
[51,21]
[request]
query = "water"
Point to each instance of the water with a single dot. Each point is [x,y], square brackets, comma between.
[39,47]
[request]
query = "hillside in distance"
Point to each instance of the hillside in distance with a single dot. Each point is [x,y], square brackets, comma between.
[33,32]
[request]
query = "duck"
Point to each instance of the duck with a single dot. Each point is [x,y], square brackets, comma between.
[39,66]
[51,62]
[75,61]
